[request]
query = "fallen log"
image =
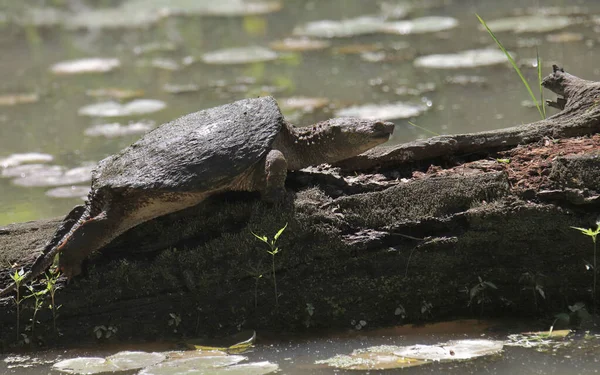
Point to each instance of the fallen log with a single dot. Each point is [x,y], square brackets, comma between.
[416,237]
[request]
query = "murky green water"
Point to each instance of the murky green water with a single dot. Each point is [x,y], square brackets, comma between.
[52,124]
[572,355]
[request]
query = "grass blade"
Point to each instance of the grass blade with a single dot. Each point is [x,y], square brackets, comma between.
[539,74]
[514,64]
[422,128]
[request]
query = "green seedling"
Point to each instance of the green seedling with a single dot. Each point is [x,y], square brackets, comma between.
[18,278]
[273,250]
[503,161]
[479,294]
[51,280]
[38,304]
[593,234]
[539,106]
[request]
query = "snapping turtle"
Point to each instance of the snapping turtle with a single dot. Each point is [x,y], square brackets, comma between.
[246,146]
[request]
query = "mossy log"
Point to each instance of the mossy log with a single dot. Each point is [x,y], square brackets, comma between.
[407,239]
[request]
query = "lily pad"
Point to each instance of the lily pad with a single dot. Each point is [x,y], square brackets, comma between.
[365,360]
[222,8]
[29,157]
[255,368]
[192,366]
[529,24]
[14,99]
[383,111]
[134,360]
[303,103]
[420,25]
[181,89]
[391,356]
[299,44]
[160,63]
[241,55]
[118,130]
[32,169]
[112,18]
[465,59]
[121,361]
[91,65]
[75,191]
[115,93]
[85,365]
[452,350]
[55,177]
[115,109]
[340,29]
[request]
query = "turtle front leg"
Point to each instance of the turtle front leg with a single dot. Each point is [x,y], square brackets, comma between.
[275,174]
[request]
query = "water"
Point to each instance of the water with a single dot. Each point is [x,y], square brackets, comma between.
[297,356]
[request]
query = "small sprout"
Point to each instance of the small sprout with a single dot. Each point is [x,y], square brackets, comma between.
[503,161]
[400,311]
[273,251]
[174,321]
[310,309]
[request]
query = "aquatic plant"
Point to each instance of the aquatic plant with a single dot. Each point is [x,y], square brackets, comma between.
[18,278]
[478,293]
[593,234]
[51,280]
[273,250]
[533,282]
[37,306]
[540,107]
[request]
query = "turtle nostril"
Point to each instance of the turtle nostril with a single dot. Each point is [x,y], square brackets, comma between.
[384,126]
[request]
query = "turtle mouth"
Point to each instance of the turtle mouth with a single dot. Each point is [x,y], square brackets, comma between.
[383,129]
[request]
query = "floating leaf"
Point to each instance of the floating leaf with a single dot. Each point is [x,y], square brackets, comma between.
[303,103]
[115,93]
[192,365]
[237,343]
[121,361]
[241,55]
[365,360]
[29,157]
[14,99]
[299,44]
[134,360]
[91,65]
[383,111]
[452,350]
[465,59]
[222,8]
[56,177]
[69,192]
[340,29]
[85,365]
[114,109]
[420,25]
[181,89]
[32,169]
[112,18]
[118,130]
[529,24]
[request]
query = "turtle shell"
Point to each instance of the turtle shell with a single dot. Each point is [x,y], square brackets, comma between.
[198,152]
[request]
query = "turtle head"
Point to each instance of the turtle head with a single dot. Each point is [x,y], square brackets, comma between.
[349,137]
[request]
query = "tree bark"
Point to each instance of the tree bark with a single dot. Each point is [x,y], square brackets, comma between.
[409,239]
